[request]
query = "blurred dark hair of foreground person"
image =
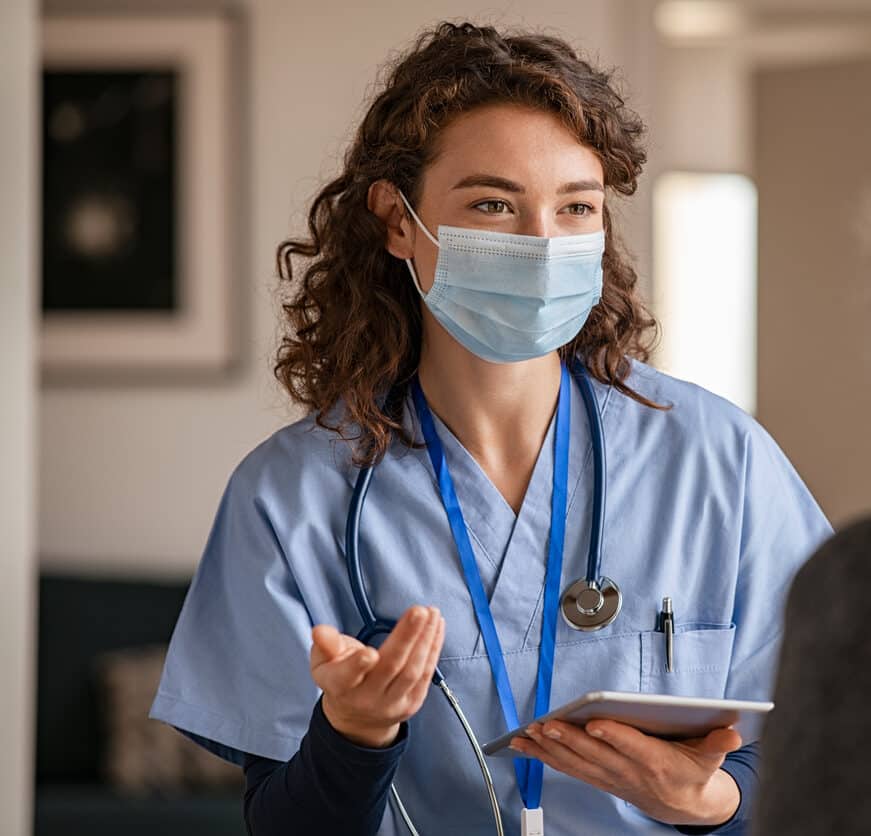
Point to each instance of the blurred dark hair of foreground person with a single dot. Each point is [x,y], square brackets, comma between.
[816,751]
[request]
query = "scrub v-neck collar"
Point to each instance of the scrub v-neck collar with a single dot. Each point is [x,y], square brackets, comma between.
[513,548]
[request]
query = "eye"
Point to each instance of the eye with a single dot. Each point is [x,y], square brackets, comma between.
[585,209]
[491,203]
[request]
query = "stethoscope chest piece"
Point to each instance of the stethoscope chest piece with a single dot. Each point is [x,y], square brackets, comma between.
[590,606]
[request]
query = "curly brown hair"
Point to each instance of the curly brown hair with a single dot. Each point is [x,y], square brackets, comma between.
[354,324]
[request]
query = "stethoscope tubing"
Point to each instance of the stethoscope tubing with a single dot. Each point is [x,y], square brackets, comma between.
[352,540]
[372,625]
[594,556]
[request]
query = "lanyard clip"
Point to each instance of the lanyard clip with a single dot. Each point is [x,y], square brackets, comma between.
[532,822]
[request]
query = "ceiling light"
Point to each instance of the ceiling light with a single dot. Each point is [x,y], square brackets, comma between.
[698,18]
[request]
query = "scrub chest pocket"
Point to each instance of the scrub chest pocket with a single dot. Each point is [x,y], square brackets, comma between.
[702,653]
[629,661]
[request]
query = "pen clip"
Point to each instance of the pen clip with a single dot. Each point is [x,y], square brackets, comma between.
[667,616]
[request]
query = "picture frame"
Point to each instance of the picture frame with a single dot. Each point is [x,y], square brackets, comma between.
[137,247]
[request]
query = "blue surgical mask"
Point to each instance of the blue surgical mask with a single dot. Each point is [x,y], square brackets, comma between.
[508,297]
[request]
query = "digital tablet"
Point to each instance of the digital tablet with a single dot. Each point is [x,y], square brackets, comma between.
[662,715]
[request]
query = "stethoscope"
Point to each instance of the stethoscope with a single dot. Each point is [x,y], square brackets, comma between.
[589,603]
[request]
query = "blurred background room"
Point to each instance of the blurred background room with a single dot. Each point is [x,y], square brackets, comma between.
[152,156]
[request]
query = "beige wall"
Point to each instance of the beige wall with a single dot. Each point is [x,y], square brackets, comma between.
[18,155]
[813,132]
[787,103]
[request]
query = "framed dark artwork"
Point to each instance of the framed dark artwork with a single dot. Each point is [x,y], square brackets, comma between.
[136,244]
[108,190]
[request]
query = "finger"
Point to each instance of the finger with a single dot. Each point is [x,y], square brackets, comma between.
[519,745]
[412,671]
[420,690]
[399,645]
[567,758]
[364,660]
[627,740]
[577,740]
[340,675]
[409,626]
[575,766]
[435,650]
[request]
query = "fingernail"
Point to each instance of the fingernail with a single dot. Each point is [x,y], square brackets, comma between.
[417,615]
[514,747]
[553,734]
[595,732]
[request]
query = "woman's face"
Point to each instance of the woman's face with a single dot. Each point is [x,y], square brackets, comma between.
[506,168]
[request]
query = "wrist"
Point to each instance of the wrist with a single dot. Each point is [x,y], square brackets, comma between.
[718,802]
[370,737]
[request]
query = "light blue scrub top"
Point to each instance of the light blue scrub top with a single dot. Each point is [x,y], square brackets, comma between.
[702,506]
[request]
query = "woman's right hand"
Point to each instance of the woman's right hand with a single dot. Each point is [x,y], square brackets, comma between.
[369,692]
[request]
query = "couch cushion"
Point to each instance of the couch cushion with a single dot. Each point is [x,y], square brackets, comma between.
[143,755]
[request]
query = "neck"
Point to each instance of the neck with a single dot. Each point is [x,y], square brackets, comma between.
[499,412]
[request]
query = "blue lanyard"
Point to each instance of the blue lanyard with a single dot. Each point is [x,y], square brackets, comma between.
[529,772]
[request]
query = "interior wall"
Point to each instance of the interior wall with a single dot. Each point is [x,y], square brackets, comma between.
[703,116]
[18,143]
[130,476]
[813,132]
[799,123]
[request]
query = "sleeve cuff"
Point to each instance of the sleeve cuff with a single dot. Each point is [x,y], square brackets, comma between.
[340,746]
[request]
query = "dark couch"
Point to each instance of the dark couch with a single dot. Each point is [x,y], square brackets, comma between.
[80,618]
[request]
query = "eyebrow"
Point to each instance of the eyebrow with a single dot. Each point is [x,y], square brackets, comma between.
[510,186]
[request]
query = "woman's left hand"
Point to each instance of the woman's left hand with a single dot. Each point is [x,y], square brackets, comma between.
[674,782]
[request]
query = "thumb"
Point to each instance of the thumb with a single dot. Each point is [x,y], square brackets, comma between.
[719,742]
[328,643]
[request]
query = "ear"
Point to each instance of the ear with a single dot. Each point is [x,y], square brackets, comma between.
[384,202]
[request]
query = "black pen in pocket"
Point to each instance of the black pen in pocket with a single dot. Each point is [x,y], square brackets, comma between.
[666,625]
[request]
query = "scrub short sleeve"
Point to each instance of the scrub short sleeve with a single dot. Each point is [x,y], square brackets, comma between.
[236,677]
[781,526]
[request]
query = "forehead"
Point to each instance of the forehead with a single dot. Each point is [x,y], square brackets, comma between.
[528,145]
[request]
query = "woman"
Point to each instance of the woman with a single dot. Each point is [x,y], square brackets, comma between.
[461,265]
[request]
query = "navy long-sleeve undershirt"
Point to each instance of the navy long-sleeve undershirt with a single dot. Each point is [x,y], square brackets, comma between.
[333,787]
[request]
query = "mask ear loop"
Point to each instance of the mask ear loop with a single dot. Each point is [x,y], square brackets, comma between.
[408,261]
